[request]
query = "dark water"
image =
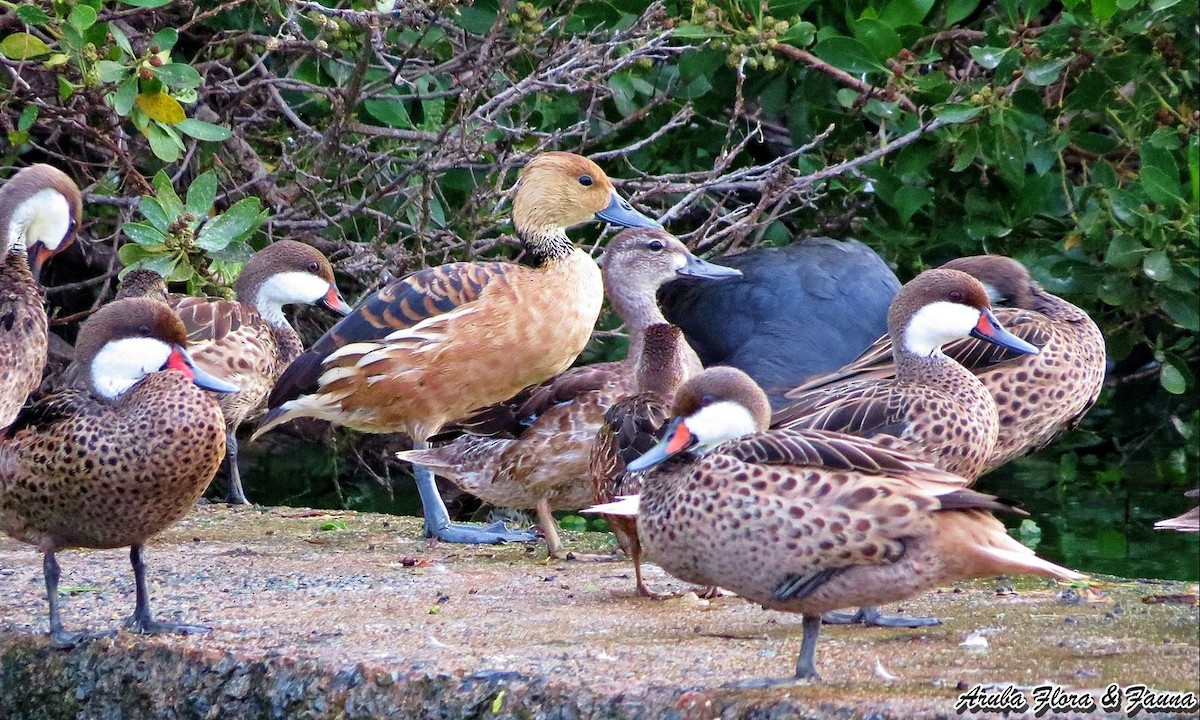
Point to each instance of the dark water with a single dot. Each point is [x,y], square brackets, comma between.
[1091,520]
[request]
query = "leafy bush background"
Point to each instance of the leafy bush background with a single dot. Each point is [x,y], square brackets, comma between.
[1061,133]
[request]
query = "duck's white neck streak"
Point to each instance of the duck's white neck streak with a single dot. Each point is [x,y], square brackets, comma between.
[121,363]
[44,217]
[287,288]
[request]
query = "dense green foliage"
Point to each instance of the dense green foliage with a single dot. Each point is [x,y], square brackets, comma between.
[1061,133]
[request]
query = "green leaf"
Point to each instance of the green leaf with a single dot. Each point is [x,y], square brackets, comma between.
[23,46]
[162,263]
[1172,380]
[846,97]
[239,220]
[390,111]
[847,54]
[147,3]
[690,31]
[898,13]
[125,96]
[1157,266]
[1193,159]
[1104,9]
[1181,307]
[152,210]
[121,39]
[201,194]
[203,130]
[1124,252]
[1159,187]
[28,117]
[1045,72]
[111,72]
[1163,4]
[165,39]
[143,234]
[988,57]
[178,75]
[164,192]
[161,107]
[82,17]
[957,10]
[800,34]
[952,113]
[161,144]
[32,15]
[908,199]
[879,37]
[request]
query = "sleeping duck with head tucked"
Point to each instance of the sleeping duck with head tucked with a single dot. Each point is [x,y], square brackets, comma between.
[439,343]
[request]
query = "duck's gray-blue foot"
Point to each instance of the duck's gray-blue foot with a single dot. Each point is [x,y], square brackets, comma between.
[141,621]
[437,518]
[870,616]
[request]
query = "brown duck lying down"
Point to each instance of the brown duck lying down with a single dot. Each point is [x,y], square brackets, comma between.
[118,459]
[808,521]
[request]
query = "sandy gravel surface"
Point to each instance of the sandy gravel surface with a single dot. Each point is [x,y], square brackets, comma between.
[323,594]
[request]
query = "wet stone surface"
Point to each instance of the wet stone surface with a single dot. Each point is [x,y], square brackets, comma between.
[347,615]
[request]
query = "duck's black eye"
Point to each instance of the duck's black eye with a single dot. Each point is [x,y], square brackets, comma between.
[585,180]
[144,330]
[313,266]
[655,245]
[956,296]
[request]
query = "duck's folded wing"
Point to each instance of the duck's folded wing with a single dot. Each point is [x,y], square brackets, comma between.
[398,313]
[512,417]
[833,451]
[865,409]
[50,409]
[213,320]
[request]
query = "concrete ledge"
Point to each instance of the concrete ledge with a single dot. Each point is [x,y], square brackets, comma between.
[348,616]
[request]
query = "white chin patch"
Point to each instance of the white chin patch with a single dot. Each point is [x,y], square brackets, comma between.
[45,217]
[938,323]
[121,363]
[288,288]
[720,422]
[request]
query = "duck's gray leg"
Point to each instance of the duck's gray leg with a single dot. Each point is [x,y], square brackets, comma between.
[437,518]
[236,495]
[806,664]
[140,621]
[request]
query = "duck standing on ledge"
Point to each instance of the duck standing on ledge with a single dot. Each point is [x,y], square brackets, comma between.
[249,342]
[111,464]
[544,467]
[440,343]
[40,211]
[1038,397]
[808,521]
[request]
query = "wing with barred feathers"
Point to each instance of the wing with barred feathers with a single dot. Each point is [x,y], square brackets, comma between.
[631,427]
[864,409]
[512,417]
[403,305]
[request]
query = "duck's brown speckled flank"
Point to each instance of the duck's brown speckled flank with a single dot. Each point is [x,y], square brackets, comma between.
[1038,397]
[111,463]
[40,210]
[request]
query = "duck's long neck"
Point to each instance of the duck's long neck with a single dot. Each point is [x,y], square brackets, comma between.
[287,340]
[639,309]
[546,245]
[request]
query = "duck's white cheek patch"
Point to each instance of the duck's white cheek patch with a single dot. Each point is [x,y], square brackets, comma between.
[287,288]
[938,323]
[719,422]
[121,363]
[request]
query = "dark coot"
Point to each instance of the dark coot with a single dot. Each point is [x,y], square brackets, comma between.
[796,311]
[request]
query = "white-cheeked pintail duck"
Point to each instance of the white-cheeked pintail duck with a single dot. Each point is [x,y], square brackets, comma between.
[1038,397]
[111,464]
[40,211]
[543,466]
[933,406]
[808,521]
[249,342]
[435,345]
